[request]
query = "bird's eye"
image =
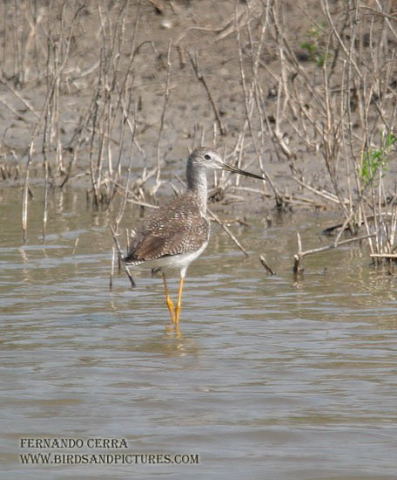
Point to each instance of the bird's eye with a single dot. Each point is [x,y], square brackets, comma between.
[207,157]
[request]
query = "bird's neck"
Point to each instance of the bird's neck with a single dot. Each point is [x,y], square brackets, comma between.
[197,184]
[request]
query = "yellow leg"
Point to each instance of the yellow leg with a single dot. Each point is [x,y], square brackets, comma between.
[179,304]
[168,300]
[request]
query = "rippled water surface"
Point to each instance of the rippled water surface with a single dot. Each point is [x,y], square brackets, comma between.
[267,378]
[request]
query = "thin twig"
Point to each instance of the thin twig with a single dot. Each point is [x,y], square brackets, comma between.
[27,104]
[214,217]
[200,77]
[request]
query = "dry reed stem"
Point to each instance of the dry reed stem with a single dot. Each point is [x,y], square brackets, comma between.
[251,99]
[163,112]
[200,77]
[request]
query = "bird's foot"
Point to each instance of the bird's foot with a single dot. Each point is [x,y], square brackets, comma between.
[171,308]
[178,309]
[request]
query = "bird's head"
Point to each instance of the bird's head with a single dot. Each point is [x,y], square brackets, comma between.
[210,159]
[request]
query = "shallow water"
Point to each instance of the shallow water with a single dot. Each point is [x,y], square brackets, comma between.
[267,378]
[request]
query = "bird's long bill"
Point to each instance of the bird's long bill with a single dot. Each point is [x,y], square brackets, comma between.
[229,168]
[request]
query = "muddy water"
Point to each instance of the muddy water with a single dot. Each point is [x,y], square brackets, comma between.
[267,379]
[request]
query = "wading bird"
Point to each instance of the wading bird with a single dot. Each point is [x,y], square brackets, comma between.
[178,232]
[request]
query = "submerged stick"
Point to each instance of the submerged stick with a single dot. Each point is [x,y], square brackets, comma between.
[120,256]
[112,268]
[266,265]
[75,246]
[25,196]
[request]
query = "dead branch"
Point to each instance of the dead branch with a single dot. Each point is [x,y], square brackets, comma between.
[214,217]
[298,257]
[384,255]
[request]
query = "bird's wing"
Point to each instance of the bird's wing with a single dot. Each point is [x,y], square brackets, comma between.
[175,228]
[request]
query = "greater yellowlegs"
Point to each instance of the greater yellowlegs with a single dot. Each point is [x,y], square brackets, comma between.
[178,232]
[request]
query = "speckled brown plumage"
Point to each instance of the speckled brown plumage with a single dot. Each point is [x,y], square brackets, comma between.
[176,228]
